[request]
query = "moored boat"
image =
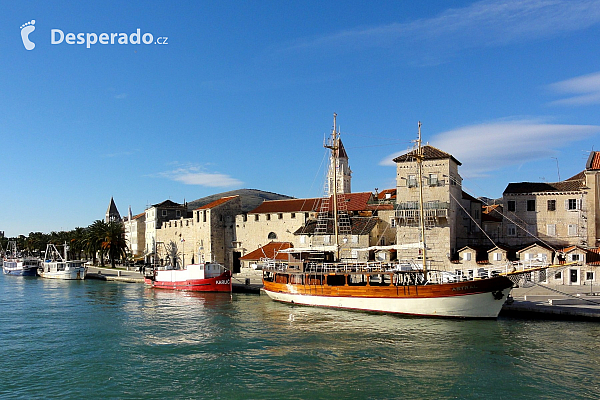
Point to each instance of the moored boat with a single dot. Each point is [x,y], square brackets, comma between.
[317,277]
[58,266]
[14,264]
[203,277]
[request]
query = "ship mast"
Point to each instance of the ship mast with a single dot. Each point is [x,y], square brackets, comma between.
[333,145]
[419,158]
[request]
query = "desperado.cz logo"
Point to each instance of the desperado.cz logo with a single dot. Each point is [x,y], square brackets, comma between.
[57,36]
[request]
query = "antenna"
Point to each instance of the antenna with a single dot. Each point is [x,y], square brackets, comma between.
[557,169]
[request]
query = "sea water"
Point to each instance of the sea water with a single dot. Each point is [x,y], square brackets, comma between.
[94,339]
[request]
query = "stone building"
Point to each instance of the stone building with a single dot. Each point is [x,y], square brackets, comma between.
[561,214]
[208,233]
[449,212]
[154,218]
[295,221]
[135,234]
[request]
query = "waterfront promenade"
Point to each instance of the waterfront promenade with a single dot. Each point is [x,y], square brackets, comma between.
[537,302]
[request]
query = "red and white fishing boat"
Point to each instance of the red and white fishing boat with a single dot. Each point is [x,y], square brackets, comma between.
[410,288]
[204,277]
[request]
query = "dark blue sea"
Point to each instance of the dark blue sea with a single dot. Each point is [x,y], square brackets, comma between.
[106,340]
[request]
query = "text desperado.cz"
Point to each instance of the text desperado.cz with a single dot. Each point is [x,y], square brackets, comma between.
[57,36]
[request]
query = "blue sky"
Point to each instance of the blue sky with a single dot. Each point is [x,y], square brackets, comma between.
[243,93]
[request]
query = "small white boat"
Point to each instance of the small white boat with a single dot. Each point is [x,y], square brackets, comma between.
[14,264]
[57,266]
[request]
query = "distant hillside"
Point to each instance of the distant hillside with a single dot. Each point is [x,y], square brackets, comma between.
[251,198]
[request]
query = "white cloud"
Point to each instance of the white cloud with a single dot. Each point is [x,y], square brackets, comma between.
[484,23]
[194,175]
[121,96]
[490,146]
[583,89]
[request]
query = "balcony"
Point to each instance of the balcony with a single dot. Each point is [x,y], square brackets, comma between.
[433,209]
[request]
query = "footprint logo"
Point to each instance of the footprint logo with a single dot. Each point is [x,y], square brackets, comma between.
[26,29]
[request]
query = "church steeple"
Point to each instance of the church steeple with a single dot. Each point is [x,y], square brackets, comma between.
[112,214]
[343,174]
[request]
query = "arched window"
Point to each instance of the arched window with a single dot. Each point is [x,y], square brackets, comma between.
[272,236]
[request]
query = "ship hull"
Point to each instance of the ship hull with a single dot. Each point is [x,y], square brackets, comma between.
[71,275]
[473,299]
[221,283]
[20,271]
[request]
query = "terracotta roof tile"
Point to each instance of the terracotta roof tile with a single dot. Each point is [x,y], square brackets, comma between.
[382,195]
[358,226]
[270,250]
[593,162]
[354,202]
[429,153]
[216,202]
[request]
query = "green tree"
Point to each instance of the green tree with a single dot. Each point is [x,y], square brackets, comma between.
[93,238]
[114,242]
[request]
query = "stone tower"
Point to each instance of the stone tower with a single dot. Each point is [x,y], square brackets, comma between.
[339,164]
[112,214]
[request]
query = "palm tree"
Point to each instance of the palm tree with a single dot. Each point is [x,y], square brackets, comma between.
[114,241]
[77,242]
[95,235]
[173,254]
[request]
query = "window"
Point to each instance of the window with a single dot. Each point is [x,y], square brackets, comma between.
[512,205]
[511,230]
[433,180]
[497,256]
[466,256]
[268,217]
[354,238]
[293,215]
[589,276]
[204,216]
[326,239]
[272,236]
[573,204]
[558,275]
[393,222]
[279,216]
[256,217]
[572,230]
[530,205]
[551,230]
[551,205]
[411,181]
[574,257]
[302,239]
[164,213]
[245,217]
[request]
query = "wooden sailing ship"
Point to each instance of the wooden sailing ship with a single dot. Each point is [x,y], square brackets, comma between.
[317,277]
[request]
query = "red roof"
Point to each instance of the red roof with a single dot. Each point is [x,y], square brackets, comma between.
[354,202]
[270,250]
[593,161]
[216,202]
[382,195]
